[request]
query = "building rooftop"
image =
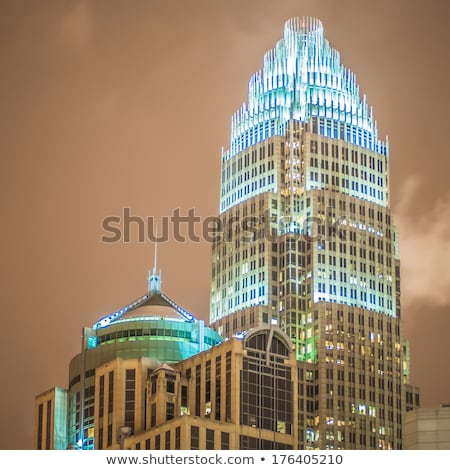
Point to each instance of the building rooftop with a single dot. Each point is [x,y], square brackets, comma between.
[153,304]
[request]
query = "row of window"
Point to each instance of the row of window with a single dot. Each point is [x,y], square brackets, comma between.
[155,444]
[358,158]
[151,332]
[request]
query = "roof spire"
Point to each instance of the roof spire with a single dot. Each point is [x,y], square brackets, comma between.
[154,280]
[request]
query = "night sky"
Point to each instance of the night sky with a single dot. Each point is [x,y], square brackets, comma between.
[107,105]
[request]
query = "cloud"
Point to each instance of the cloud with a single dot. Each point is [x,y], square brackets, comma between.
[424,248]
[77,27]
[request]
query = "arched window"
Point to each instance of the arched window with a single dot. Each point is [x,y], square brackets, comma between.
[278,347]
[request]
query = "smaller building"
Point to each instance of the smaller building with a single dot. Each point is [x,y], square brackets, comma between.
[108,378]
[50,420]
[241,394]
[427,429]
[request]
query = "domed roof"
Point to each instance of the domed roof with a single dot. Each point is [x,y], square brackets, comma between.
[157,305]
[153,304]
[152,326]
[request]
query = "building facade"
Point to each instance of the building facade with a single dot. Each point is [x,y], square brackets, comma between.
[428,429]
[241,394]
[308,241]
[50,419]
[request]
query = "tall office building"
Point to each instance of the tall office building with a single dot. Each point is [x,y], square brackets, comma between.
[308,240]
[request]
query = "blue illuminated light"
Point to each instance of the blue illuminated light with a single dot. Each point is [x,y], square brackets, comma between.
[241,335]
[301,78]
[107,320]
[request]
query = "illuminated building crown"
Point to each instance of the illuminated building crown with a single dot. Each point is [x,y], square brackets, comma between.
[303,77]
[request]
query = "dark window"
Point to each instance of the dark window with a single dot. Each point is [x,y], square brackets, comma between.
[170,411]
[209,439]
[170,386]
[195,438]
[197,389]
[253,443]
[48,424]
[218,388]
[224,441]
[130,394]
[278,347]
[184,396]
[228,387]
[109,441]
[258,342]
[153,415]
[110,391]
[40,425]
[266,395]
[178,438]
[100,439]
[167,443]
[101,403]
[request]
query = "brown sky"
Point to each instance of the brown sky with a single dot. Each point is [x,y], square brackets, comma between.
[112,104]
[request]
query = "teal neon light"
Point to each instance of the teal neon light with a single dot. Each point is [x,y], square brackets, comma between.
[301,78]
[107,320]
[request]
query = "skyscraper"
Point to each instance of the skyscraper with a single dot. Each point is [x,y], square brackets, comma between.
[305,291]
[309,243]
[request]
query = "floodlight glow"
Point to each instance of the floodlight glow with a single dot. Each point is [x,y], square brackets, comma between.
[302,77]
